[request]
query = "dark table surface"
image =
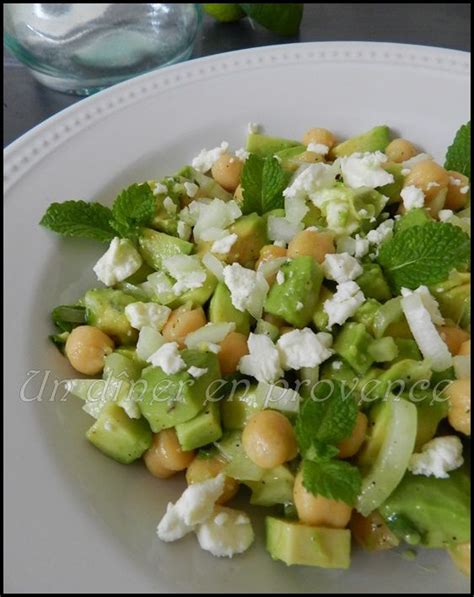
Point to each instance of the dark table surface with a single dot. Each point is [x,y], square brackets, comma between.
[26,103]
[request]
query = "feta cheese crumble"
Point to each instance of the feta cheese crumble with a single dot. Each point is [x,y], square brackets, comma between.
[197,372]
[195,506]
[247,287]
[120,261]
[206,158]
[186,270]
[168,358]
[464,190]
[344,303]
[169,205]
[191,189]
[382,233]
[445,214]
[420,157]
[226,532]
[281,230]
[224,245]
[438,457]
[341,267]
[151,315]
[253,128]
[302,348]
[365,170]
[213,218]
[357,247]
[160,189]
[318,148]
[242,154]
[263,360]
[412,197]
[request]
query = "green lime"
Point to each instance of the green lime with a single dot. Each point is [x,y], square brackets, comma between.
[225,13]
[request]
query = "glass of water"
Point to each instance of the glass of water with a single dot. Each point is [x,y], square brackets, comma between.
[82,48]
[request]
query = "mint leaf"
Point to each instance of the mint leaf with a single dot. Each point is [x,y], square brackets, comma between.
[424,255]
[67,317]
[263,182]
[319,451]
[328,418]
[79,219]
[283,19]
[333,479]
[134,207]
[458,156]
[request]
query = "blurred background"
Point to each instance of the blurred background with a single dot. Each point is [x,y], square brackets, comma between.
[27,102]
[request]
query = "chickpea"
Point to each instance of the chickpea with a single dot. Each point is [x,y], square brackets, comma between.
[351,445]
[371,532]
[465,348]
[461,556]
[317,510]
[311,157]
[233,348]
[226,171]
[455,199]
[202,469]
[400,150]
[86,349]
[314,244]
[269,252]
[181,322]
[239,194]
[459,413]
[165,457]
[430,177]
[453,336]
[268,439]
[321,136]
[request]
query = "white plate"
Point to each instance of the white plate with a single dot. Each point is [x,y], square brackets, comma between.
[76,521]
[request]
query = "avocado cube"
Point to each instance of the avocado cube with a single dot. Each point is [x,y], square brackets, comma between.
[203,429]
[239,466]
[407,349]
[436,511]
[118,436]
[393,189]
[320,317]
[296,298]
[121,366]
[221,310]
[373,284]
[275,487]
[156,246]
[264,145]
[197,296]
[251,231]
[238,407]
[105,309]
[303,545]
[168,400]
[352,344]
[267,328]
[376,139]
[366,314]
[414,217]
[454,303]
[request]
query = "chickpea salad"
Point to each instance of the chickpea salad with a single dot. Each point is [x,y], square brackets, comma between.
[291,322]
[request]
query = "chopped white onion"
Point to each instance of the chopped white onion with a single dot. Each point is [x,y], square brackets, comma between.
[212,333]
[214,265]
